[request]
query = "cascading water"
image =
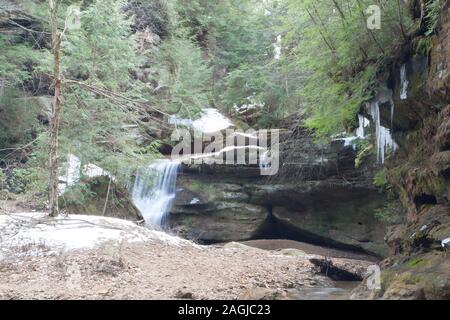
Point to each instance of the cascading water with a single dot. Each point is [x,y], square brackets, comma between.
[404,83]
[154,191]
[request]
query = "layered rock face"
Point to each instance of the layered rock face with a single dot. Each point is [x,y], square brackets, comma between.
[318,196]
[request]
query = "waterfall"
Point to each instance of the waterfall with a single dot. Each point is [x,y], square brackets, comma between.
[277,47]
[404,83]
[154,190]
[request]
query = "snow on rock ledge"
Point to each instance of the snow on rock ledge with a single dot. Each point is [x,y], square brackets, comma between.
[73,232]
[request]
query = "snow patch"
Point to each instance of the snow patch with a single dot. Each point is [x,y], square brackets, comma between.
[350,142]
[74,171]
[74,232]
[194,201]
[211,120]
[445,242]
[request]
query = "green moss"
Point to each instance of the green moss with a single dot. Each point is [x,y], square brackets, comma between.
[365,151]
[19,121]
[77,195]
[380,180]
[89,197]
[416,262]
[196,186]
[6,195]
[423,45]
[390,213]
[432,9]
[188,221]
[412,178]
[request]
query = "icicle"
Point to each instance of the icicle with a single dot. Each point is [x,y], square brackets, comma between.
[383,135]
[363,123]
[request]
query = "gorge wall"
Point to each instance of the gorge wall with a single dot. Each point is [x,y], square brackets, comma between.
[419,267]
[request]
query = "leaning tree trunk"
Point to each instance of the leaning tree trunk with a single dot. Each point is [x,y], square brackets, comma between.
[56,110]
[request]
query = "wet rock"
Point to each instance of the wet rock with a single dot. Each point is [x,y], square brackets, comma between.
[394,238]
[420,268]
[335,272]
[184,295]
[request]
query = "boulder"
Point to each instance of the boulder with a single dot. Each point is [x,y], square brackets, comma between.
[90,196]
[394,238]
[338,272]
[420,266]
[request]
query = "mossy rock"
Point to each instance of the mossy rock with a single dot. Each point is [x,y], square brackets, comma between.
[90,196]
[424,276]
[6,195]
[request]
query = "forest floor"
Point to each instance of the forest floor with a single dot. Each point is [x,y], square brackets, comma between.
[88,257]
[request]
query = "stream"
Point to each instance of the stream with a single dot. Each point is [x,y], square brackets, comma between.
[341,290]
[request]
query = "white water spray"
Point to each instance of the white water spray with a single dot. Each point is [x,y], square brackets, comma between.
[154,191]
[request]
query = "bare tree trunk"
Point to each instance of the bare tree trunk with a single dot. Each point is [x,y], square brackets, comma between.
[344,23]
[400,19]
[56,110]
[328,44]
[105,206]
